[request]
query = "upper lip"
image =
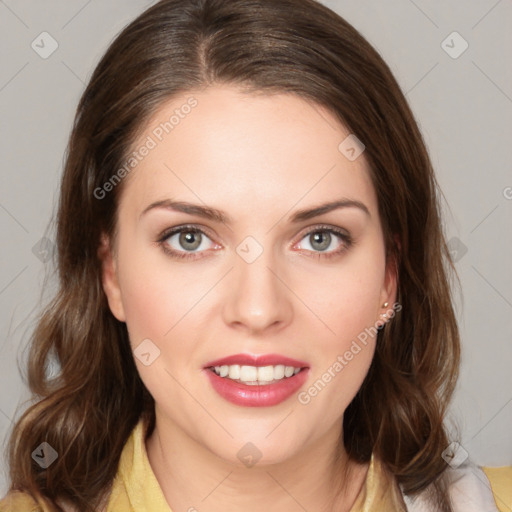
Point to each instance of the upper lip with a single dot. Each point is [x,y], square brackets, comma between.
[257,360]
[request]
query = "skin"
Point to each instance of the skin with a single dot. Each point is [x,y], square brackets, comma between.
[259,158]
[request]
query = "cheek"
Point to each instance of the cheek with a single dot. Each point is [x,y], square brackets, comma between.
[345,352]
[154,295]
[345,297]
[157,299]
[346,300]
[146,305]
[335,385]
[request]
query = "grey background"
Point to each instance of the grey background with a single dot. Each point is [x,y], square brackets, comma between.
[463,106]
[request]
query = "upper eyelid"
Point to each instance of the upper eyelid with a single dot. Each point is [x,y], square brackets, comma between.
[166,233]
[324,227]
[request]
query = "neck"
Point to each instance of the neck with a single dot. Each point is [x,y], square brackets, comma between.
[192,478]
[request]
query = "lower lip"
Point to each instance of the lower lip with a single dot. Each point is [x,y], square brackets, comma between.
[257,396]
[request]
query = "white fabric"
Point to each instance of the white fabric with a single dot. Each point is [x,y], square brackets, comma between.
[470,491]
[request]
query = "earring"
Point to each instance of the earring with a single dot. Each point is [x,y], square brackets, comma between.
[385,305]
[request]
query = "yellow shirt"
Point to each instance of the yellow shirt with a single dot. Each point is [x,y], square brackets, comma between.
[500,479]
[136,489]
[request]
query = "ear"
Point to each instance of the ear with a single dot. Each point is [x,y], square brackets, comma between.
[390,285]
[109,278]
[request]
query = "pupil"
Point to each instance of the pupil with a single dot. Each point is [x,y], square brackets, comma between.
[188,237]
[318,236]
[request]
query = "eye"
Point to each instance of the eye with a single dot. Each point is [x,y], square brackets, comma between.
[187,241]
[183,241]
[321,238]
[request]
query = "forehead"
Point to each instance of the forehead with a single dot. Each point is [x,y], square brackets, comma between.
[245,153]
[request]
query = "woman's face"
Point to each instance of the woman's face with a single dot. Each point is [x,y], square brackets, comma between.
[265,280]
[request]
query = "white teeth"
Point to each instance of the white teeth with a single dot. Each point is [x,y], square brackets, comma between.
[265,373]
[234,371]
[248,373]
[254,375]
[279,372]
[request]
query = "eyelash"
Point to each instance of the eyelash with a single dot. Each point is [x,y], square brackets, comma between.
[347,239]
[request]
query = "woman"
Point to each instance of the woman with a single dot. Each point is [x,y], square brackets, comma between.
[300,354]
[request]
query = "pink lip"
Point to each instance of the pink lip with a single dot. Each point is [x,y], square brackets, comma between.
[256,396]
[255,360]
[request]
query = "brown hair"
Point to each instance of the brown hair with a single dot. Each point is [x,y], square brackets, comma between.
[87,411]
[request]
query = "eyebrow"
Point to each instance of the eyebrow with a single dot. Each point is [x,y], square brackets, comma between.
[220,216]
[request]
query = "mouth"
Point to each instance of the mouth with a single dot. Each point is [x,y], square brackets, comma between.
[255,375]
[254,381]
[255,370]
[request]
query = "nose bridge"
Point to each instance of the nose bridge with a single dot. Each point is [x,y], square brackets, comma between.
[258,298]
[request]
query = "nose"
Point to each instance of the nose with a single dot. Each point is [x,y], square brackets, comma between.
[257,297]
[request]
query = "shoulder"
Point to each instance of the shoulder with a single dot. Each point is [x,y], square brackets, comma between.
[17,501]
[501,484]
[469,489]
